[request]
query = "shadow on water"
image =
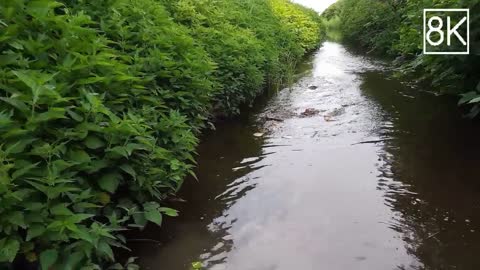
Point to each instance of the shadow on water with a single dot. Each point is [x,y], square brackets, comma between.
[189,235]
[430,173]
[306,195]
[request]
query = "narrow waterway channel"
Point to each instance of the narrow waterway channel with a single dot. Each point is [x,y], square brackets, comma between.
[375,176]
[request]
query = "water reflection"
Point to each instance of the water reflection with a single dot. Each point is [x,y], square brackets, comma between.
[430,174]
[382,178]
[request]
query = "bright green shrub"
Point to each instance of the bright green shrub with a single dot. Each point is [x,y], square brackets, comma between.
[368,23]
[86,119]
[303,22]
[279,44]
[100,106]
[179,74]
[249,53]
[239,59]
[235,50]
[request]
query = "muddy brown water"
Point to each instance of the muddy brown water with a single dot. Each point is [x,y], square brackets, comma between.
[385,176]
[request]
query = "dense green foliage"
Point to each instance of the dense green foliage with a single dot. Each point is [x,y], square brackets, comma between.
[248,53]
[101,103]
[395,27]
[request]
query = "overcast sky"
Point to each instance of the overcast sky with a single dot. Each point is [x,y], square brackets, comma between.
[318,5]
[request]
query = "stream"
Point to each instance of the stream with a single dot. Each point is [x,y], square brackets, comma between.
[346,169]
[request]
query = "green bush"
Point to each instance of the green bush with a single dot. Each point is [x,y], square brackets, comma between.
[101,103]
[249,53]
[303,22]
[93,132]
[368,23]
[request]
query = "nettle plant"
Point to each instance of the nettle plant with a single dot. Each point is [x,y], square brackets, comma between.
[86,148]
[249,54]
[100,105]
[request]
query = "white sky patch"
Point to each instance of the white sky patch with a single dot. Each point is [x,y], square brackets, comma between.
[318,5]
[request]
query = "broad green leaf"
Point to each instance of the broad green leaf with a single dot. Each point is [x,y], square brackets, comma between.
[79,156]
[79,218]
[60,165]
[75,116]
[128,169]
[98,165]
[168,211]
[102,230]
[26,78]
[20,172]
[5,119]
[139,219]
[17,218]
[16,45]
[19,146]
[8,249]
[35,80]
[81,232]
[106,250]
[33,206]
[154,216]
[109,182]
[35,230]
[8,59]
[48,258]
[467,97]
[20,195]
[52,114]
[15,133]
[119,150]
[93,142]
[73,260]
[20,105]
[475,100]
[60,210]
[36,216]
[41,8]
